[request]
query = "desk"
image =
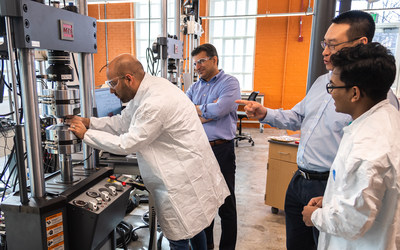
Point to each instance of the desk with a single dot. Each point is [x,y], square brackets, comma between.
[281,167]
[259,99]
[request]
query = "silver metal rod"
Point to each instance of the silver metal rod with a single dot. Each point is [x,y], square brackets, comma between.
[307,13]
[42,72]
[178,19]
[128,20]
[191,68]
[164,33]
[32,126]
[66,168]
[178,36]
[86,89]
[82,7]
[260,15]
[187,52]
[106,32]
[12,68]
[10,99]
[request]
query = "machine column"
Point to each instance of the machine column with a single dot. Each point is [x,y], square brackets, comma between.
[86,87]
[31,114]
[85,91]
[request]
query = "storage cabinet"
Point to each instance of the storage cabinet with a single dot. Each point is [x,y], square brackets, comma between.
[280,170]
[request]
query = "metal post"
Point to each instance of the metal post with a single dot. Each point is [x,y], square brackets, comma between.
[86,90]
[10,99]
[32,125]
[178,36]
[324,11]
[86,94]
[191,47]
[11,63]
[164,22]
[18,139]
[345,5]
[66,168]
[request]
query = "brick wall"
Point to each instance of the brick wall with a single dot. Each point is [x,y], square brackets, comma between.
[120,35]
[280,63]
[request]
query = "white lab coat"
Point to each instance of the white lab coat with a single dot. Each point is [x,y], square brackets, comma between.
[175,158]
[360,208]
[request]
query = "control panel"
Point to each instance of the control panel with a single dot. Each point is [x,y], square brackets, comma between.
[100,196]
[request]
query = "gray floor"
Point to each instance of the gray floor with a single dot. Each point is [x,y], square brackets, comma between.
[258,228]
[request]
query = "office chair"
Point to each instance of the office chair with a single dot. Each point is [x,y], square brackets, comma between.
[241,114]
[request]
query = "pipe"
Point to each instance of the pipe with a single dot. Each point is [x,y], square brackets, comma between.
[11,62]
[10,101]
[18,139]
[164,33]
[86,90]
[66,168]
[32,126]
[19,149]
[307,13]
[106,32]
[178,37]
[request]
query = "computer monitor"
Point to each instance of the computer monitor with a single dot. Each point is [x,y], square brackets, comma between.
[107,103]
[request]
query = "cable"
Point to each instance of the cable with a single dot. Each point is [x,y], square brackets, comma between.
[6,114]
[2,75]
[80,162]
[76,68]
[18,74]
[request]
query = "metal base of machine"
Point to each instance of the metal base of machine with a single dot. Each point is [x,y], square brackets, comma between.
[55,221]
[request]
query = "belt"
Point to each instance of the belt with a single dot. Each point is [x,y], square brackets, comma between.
[218,142]
[323,176]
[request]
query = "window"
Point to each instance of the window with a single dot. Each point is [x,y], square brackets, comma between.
[234,38]
[142,29]
[388,35]
[387,18]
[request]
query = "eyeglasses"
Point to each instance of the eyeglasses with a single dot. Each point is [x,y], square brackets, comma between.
[330,87]
[201,61]
[111,83]
[333,46]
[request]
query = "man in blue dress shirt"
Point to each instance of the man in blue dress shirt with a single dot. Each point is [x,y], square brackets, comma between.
[214,96]
[321,128]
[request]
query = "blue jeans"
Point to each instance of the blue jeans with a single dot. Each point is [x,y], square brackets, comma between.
[198,242]
[298,194]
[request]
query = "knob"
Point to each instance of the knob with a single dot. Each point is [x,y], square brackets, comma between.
[93,206]
[113,190]
[105,196]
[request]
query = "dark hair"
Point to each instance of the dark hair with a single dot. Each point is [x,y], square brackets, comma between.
[370,66]
[361,24]
[210,50]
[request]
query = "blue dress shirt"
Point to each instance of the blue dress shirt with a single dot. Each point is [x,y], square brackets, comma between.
[226,89]
[321,126]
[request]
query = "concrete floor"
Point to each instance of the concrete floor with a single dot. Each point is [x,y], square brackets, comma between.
[258,228]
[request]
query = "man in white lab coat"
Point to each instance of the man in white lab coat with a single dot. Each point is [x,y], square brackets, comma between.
[360,207]
[175,159]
